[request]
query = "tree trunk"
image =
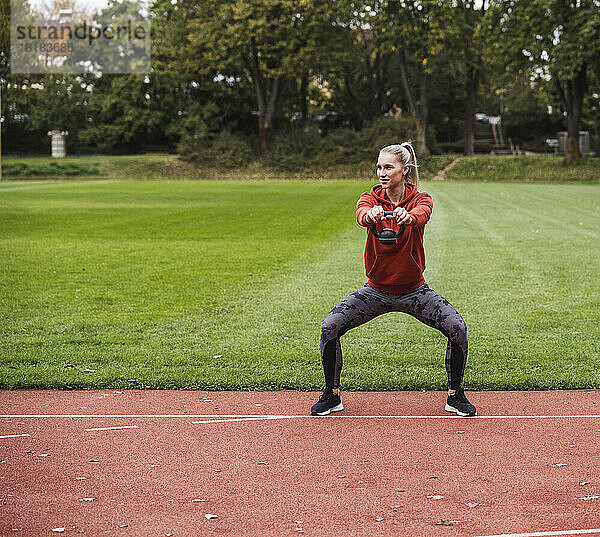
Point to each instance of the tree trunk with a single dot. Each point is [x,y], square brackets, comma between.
[419,111]
[265,116]
[573,101]
[471,87]
[422,147]
[265,99]
[359,107]
[264,134]
[304,95]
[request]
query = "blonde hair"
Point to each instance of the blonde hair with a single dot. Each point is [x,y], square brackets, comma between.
[405,153]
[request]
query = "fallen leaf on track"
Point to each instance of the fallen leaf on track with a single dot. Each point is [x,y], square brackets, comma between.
[209,516]
[58,530]
[447,522]
[473,504]
[435,497]
[558,465]
[86,499]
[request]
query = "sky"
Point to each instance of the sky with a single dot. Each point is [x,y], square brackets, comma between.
[89,5]
[93,5]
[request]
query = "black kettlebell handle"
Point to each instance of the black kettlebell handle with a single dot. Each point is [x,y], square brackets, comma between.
[398,234]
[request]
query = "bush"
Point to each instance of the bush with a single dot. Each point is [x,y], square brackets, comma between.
[223,150]
[48,169]
[304,147]
[300,146]
[293,150]
[459,147]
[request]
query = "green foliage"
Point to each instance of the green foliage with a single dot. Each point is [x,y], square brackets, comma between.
[121,115]
[294,149]
[303,147]
[551,37]
[224,150]
[558,43]
[210,61]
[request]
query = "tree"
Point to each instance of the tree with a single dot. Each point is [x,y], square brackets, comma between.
[558,40]
[264,41]
[198,100]
[248,38]
[123,110]
[468,27]
[411,29]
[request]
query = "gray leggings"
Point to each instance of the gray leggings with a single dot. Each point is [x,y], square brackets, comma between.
[367,303]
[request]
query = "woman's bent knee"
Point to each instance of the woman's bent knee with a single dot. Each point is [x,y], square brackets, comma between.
[457,329]
[329,329]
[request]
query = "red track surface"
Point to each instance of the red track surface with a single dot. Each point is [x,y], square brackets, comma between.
[340,475]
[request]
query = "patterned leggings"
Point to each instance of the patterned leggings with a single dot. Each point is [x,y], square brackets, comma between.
[367,303]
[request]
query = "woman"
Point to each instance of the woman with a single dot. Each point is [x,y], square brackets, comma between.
[395,280]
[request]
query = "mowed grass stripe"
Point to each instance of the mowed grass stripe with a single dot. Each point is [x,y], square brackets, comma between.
[148,298]
[541,300]
[582,200]
[18,185]
[167,297]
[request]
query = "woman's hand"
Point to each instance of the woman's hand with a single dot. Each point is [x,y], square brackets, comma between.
[402,217]
[375,214]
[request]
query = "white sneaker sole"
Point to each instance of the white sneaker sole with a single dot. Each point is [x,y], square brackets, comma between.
[333,409]
[449,408]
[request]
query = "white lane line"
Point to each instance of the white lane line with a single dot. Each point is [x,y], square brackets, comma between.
[50,185]
[145,416]
[544,533]
[113,428]
[280,416]
[247,419]
[14,435]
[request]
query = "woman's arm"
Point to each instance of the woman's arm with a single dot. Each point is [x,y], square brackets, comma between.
[364,203]
[422,211]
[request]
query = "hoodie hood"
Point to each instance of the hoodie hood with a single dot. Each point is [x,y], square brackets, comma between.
[410,191]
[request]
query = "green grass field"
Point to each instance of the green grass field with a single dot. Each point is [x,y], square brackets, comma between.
[223,285]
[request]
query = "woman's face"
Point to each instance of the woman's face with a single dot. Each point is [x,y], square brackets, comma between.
[390,171]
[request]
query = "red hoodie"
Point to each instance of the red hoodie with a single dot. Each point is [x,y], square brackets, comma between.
[398,267]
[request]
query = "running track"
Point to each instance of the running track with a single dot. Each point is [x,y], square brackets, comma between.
[155,463]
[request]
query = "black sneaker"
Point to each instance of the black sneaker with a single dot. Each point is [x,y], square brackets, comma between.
[460,404]
[327,403]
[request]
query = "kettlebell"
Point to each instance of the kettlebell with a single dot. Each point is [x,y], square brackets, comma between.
[387,235]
